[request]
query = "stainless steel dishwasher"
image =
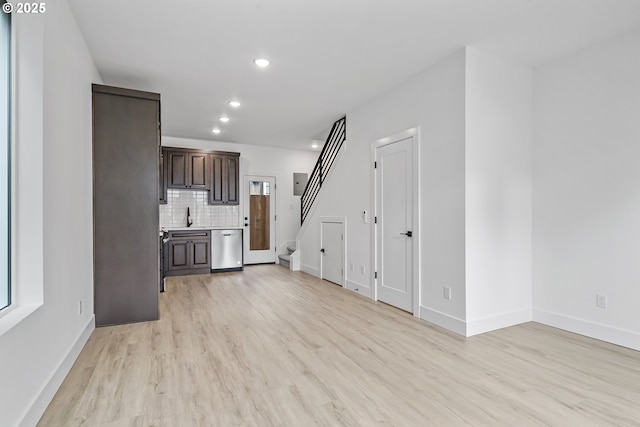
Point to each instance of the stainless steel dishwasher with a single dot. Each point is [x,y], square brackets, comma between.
[226,250]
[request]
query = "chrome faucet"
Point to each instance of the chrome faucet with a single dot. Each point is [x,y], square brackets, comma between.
[189,220]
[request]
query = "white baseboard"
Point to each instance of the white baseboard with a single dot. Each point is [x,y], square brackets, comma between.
[42,400]
[310,270]
[503,320]
[443,320]
[364,290]
[588,328]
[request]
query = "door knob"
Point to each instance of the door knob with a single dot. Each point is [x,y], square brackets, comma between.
[322,250]
[408,234]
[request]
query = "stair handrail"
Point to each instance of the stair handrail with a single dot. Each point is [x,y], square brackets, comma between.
[328,154]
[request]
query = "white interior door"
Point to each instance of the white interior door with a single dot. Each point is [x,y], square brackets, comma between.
[394,212]
[259,219]
[332,253]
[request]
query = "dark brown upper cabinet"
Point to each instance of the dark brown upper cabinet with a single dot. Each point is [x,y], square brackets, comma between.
[187,170]
[215,171]
[225,174]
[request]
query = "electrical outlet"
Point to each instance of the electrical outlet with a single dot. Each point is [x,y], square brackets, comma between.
[446,292]
[80,308]
[601,301]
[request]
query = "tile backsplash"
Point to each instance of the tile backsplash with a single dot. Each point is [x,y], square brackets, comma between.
[174,213]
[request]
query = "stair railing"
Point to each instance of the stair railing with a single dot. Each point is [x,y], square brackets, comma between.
[327,156]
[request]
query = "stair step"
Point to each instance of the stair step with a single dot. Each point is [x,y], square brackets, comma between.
[291,249]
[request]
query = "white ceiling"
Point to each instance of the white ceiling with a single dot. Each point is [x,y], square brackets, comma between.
[327,56]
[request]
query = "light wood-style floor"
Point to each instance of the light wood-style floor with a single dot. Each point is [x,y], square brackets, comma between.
[270,347]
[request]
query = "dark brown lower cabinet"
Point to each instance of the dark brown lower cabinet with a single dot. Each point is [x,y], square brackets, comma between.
[189,252]
[126,139]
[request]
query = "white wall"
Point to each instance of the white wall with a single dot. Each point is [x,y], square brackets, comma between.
[473,112]
[433,101]
[586,192]
[267,161]
[498,192]
[36,354]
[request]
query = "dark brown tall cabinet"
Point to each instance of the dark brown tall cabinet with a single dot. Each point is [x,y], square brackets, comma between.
[126,141]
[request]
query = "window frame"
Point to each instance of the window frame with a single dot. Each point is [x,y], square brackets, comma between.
[27,176]
[10,291]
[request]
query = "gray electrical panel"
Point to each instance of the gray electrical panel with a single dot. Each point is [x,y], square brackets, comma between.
[299,183]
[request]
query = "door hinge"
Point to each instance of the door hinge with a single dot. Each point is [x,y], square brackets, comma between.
[275,218]
[375,165]
[375,219]
[342,237]
[375,275]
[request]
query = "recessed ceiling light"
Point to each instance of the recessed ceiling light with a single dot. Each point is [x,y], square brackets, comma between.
[234,104]
[314,145]
[261,62]
[215,130]
[224,119]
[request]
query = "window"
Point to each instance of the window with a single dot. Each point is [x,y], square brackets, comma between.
[5,159]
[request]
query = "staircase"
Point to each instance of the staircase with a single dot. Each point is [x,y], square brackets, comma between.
[327,156]
[285,259]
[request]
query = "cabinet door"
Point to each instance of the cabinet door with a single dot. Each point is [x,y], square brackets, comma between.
[165,258]
[178,256]
[216,196]
[177,169]
[225,172]
[200,254]
[162,179]
[198,171]
[231,174]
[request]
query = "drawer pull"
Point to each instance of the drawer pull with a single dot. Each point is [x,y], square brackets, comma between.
[189,235]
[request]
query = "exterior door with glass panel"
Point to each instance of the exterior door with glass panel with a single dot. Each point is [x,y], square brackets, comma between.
[259,219]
